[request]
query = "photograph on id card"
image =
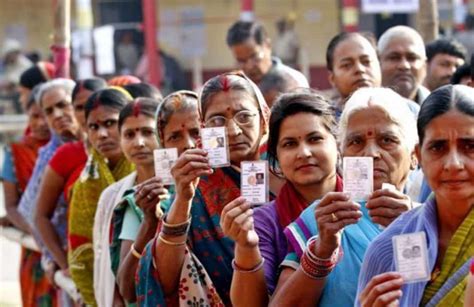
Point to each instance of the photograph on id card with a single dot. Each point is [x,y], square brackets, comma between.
[411,256]
[254,181]
[214,141]
[164,161]
[358,177]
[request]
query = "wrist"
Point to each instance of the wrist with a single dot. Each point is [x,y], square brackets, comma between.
[323,249]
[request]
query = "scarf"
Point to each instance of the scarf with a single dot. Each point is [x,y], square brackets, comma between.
[290,204]
[95,177]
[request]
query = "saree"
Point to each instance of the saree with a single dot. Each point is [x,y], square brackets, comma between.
[446,289]
[95,178]
[206,274]
[355,239]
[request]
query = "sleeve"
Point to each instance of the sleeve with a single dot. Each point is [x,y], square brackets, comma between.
[131,225]
[8,169]
[64,160]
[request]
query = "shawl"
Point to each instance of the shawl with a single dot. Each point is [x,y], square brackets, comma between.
[104,280]
[207,272]
[447,289]
[354,241]
[95,178]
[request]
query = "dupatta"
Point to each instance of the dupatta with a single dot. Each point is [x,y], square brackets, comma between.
[95,177]
[207,272]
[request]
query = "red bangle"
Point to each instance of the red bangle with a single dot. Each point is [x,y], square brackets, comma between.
[472,266]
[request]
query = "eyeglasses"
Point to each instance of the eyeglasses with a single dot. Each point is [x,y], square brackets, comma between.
[242,118]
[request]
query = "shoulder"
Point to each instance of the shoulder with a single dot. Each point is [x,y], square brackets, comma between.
[297,75]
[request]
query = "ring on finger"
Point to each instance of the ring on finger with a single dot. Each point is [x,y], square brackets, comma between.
[149,196]
[334,217]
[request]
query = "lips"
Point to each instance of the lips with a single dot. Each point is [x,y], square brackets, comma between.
[141,155]
[363,82]
[454,182]
[404,77]
[237,146]
[304,167]
[106,146]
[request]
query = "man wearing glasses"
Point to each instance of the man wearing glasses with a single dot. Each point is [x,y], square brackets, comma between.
[251,48]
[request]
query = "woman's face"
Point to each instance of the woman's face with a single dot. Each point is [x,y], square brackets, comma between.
[244,140]
[306,150]
[78,103]
[182,130]
[370,133]
[138,139]
[102,132]
[355,65]
[37,123]
[447,156]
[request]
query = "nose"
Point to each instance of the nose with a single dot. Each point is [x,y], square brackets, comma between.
[103,132]
[304,151]
[404,64]
[359,67]
[57,112]
[190,142]
[371,149]
[454,161]
[140,142]
[232,128]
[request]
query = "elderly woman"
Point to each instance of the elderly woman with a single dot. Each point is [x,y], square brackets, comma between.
[375,123]
[446,155]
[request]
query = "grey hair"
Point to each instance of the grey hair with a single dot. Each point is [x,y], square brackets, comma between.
[392,104]
[66,84]
[400,31]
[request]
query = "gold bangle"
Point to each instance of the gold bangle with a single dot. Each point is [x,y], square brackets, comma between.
[134,252]
[175,225]
[160,237]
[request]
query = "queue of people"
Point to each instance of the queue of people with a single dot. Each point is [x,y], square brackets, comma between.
[82,181]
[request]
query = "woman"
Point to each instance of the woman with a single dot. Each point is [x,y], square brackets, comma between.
[106,164]
[375,123]
[446,155]
[229,100]
[19,161]
[61,173]
[302,149]
[135,219]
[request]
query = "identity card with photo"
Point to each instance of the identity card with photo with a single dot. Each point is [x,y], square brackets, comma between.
[358,177]
[214,141]
[254,181]
[411,256]
[164,161]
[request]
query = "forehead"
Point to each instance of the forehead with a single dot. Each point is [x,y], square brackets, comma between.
[441,57]
[102,113]
[140,121]
[372,118]
[53,96]
[187,117]
[82,96]
[230,101]
[404,44]
[354,47]
[245,48]
[452,123]
[301,124]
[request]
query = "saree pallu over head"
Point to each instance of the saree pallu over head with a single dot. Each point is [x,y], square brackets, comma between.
[206,274]
[341,284]
[445,289]
[95,178]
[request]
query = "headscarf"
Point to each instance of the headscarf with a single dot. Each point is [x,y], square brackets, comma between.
[39,73]
[123,80]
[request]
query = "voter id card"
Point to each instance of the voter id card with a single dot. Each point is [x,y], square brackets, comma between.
[411,256]
[254,186]
[214,141]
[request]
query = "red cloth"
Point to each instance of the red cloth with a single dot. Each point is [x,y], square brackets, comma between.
[472,266]
[290,204]
[68,162]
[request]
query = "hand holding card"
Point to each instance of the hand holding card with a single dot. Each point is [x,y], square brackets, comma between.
[358,176]
[164,160]
[214,141]
[411,256]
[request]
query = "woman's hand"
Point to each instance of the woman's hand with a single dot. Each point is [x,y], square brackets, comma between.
[382,290]
[192,164]
[386,205]
[148,195]
[333,213]
[237,223]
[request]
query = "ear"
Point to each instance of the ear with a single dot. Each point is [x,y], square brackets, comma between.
[263,127]
[331,79]
[417,154]
[414,160]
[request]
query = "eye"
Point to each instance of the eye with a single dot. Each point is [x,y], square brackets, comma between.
[129,135]
[288,144]
[79,108]
[354,141]
[216,121]
[174,137]
[93,127]
[437,147]
[366,62]
[48,111]
[148,132]
[315,139]
[468,146]
[386,140]
[194,133]
[109,123]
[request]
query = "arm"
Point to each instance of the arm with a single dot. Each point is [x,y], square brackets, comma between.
[12,198]
[169,259]
[50,189]
[247,288]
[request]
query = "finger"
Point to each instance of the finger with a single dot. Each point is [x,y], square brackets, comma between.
[191,155]
[332,197]
[386,212]
[190,166]
[235,203]
[389,202]
[238,223]
[191,177]
[379,279]
[152,188]
[233,213]
[388,299]
[384,221]
[336,206]
[389,193]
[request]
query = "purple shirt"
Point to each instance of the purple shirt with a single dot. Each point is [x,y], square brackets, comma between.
[272,242]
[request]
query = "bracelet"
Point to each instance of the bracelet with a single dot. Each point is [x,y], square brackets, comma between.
[175,230]
[333,259]
[160,237]
[134,252]
[237,268]
[315,267]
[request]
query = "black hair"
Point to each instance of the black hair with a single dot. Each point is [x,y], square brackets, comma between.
[446,46]
[91,84]
[140,106]
[241,31]
[111,98]
[298,101]
[460,73]
[32,77]
[472,67]
[441,101]
[339,38]
[33,96]
[143,90]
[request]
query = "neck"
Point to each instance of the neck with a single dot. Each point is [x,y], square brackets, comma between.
[112,162]
[451,213]
[312,192]
[144,172]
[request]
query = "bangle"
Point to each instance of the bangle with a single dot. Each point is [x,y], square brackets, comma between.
[310,247]
[315,267]
[258,267]
[134,252]
[160,237]
[175,230]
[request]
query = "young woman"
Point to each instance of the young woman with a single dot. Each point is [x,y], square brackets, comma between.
[229,100]
[446,155]
[106,164]
[302,149]
[19,161]
[376,123]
